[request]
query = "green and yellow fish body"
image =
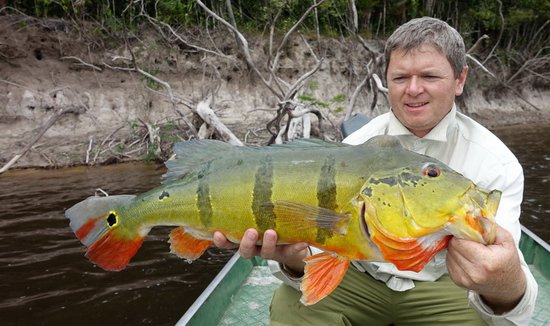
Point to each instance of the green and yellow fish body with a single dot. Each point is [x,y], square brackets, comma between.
[375,201]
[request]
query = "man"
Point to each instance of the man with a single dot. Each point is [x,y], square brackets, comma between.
[426,69]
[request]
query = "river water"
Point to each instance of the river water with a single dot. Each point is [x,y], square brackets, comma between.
[45,279]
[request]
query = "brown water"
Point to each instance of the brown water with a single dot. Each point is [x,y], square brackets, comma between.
[531,145]
[45,279]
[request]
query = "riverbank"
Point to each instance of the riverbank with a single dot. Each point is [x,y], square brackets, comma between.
[104,110]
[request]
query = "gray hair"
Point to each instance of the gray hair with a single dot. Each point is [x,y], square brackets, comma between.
[429,31]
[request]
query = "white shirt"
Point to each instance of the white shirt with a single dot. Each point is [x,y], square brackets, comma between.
[472,150]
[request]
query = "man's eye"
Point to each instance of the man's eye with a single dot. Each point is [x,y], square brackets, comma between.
[431,77]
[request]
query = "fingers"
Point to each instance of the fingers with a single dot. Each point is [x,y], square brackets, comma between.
[248,248]
[221,241]
[503,237]
[295,248]
[269,245]
[269,249]
[483,268]
[457,265]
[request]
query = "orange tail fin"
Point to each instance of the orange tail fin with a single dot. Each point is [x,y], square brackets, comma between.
[113,253]
[322,274]
[95,222]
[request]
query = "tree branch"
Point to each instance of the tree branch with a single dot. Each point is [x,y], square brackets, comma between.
[37,137]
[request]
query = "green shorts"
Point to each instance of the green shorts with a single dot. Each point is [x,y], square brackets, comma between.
[362,300]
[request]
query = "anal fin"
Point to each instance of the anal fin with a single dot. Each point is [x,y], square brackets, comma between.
[322,274]
[186,246]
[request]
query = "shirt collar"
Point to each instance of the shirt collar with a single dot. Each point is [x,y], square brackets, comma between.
[439,133]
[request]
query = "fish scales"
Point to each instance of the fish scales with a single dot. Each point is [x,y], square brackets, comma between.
[211,201]
[376,201]
[250,204]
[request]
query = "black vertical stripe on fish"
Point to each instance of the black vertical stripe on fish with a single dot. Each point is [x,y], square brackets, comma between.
[262,206]
[326,193]
[204,205]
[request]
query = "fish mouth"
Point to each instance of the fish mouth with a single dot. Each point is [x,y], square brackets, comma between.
[477,221]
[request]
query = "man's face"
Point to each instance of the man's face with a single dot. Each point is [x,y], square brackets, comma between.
[422,87]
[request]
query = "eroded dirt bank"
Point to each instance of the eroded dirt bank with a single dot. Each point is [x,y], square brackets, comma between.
[111,113]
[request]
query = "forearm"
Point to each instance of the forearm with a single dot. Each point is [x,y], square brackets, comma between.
[520,314]
[506,300]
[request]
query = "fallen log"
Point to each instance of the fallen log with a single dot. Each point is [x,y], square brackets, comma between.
[207,114]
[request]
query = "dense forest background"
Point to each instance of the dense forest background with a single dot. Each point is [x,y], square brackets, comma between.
[512,33]
[245,71]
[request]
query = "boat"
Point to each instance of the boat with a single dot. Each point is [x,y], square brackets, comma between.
[241,292]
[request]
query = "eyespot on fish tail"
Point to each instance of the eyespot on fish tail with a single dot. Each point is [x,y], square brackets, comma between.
[95,222]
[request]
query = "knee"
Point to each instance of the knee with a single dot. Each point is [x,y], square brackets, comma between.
[286,309]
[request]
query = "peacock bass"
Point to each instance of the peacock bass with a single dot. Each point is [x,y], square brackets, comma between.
[375,201]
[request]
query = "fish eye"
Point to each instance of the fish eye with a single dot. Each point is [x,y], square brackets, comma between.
[112,219]
[431,170]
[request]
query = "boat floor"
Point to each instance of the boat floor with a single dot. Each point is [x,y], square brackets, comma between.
[542,311]
[250,304]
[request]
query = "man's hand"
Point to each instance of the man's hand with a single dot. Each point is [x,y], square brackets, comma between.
[493,271]
[290,255]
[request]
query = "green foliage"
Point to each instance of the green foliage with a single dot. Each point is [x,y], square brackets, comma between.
[134,127]
[313,85]
[517,24]
[152,150]
[333,16]
[169,132]
[486,15]
[151,83]
[340,98]
[178,12]
[312,100]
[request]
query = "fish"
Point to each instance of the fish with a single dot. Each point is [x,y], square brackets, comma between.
[376,201]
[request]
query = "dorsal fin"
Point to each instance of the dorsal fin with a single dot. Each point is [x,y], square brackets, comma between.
[193,153]
[307,143]
[384,141]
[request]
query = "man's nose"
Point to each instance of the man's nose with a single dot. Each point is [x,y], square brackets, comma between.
[415,86]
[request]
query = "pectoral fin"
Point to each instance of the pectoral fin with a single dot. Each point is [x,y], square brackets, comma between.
[302,217]
[322,274]
[186,246]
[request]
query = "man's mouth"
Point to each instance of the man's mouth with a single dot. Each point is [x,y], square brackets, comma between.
[416,105]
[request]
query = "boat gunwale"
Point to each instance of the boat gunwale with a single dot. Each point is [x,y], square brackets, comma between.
[536,238]
[206,294]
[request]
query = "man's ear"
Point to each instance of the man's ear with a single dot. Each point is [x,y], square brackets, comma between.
[460,81]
